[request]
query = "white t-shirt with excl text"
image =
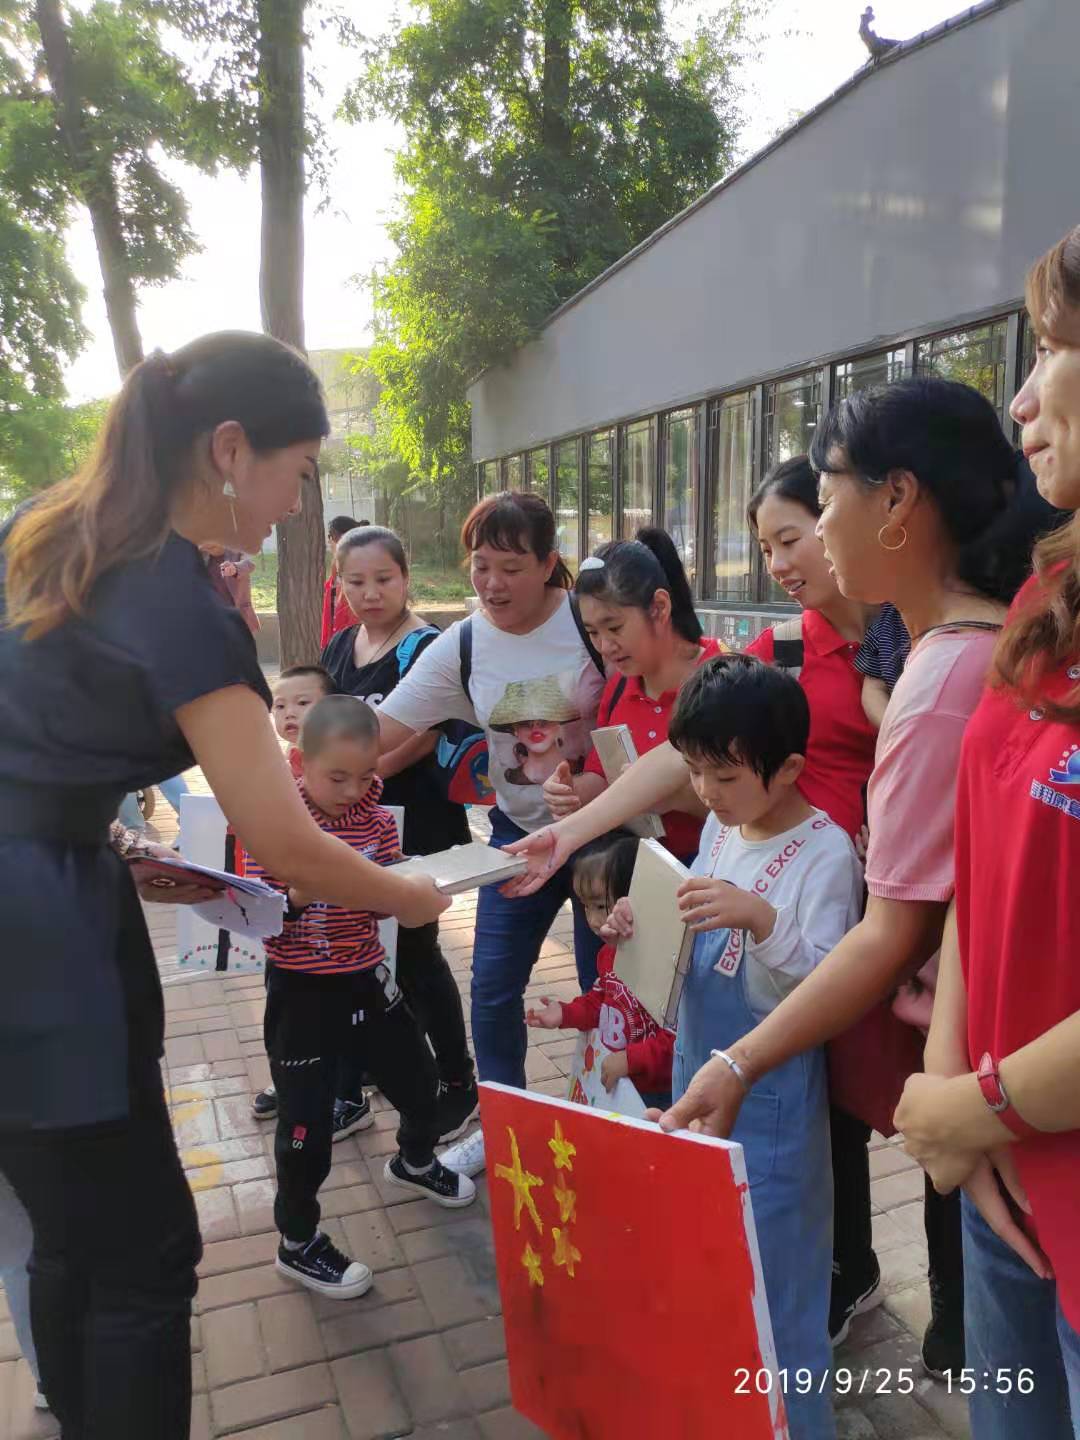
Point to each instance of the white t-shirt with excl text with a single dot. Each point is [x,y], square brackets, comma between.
[535,696]
[811,877]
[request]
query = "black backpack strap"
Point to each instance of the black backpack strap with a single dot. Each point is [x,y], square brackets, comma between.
[465,656]
[788,648]
[586,638]
[615,698]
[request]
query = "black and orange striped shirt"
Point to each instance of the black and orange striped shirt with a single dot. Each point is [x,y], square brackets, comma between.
[325,939]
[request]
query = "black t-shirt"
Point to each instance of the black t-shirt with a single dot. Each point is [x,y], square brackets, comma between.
[87,714]
[93,701]
[432,823]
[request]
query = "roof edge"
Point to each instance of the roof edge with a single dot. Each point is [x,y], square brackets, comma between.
[966,17]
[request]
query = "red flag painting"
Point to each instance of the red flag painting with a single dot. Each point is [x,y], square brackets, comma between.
[629,1273]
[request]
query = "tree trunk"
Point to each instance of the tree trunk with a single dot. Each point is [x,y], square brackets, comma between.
[555,134]
[96,186]
[301,546]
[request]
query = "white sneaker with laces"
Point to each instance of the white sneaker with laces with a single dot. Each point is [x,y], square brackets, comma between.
[467,1156]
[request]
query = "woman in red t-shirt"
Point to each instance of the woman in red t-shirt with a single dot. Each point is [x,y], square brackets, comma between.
[637,608]
[783,516]
[336,614]
[1004,1094]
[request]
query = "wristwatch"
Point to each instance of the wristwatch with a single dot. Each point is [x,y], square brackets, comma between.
[997,1097]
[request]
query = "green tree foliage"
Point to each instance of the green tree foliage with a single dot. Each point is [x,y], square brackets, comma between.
[92,103]
[44,441]
[39,331]
[545,138]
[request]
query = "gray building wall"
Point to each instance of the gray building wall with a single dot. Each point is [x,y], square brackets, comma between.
[917,197]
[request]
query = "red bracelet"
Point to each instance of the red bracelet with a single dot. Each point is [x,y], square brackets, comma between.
[997,1098]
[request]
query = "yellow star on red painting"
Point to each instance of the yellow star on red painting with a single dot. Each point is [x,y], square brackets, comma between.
[566,1199]
[563,1150]
[522,1184]
[566,1253]
[531,1261]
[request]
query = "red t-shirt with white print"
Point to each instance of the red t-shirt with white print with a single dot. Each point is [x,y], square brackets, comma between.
[1018,913]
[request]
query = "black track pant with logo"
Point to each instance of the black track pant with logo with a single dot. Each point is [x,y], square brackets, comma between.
[312,1022]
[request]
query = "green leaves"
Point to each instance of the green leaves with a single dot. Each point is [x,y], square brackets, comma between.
[544,139]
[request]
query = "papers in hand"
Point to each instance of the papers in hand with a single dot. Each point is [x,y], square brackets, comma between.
[240,904]
[465,867]
[617,752]
[654,961]
[586,1087]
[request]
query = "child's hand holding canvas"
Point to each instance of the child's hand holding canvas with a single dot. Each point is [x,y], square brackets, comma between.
[707,903]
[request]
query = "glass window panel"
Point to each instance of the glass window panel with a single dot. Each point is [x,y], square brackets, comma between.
[731,451]
[869,370]
[681,483]
[639,448]
[601,455]
[976,357]
[538,471]
[792,411]
[514,472]
[567,501]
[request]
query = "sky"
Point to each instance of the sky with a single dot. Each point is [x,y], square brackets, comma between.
[809,48]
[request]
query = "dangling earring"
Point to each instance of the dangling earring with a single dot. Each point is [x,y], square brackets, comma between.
[228,490]
[881,542]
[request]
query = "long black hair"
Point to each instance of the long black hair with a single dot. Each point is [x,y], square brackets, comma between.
[118,506]
[794,479]
[949,437]
[634,570]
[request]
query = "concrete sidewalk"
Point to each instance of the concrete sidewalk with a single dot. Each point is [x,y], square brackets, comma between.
[423,1353]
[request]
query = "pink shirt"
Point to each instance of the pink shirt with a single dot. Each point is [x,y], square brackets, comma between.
[911,800]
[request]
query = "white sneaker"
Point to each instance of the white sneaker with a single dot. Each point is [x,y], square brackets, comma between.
[467,1156]
[40,1403]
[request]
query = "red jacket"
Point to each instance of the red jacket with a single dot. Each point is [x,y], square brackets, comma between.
[624,1024]
[336,614]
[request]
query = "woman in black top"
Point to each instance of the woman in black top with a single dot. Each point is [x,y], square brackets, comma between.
[120,667]
[367,660]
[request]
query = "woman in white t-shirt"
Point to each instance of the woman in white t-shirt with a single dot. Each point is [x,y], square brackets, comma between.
[523,669]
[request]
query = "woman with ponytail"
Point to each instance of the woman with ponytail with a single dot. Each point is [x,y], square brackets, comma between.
[121,667]
[636,605]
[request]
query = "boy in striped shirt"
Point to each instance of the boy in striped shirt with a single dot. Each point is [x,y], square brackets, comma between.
[329,992]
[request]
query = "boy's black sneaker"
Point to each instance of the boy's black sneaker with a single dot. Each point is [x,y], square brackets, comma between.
[350,1116]
[264,1104]
[322,1267]
[458,1107]
[849,1299]
[445,1187]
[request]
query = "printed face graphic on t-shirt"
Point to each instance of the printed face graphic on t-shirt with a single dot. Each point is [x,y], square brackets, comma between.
[534,727]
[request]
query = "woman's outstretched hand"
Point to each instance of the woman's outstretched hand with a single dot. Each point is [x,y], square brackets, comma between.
[546,851]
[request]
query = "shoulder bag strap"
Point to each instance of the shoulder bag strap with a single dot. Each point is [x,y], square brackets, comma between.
[465,638]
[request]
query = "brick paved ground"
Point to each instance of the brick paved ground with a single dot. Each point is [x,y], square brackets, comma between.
[423,1353]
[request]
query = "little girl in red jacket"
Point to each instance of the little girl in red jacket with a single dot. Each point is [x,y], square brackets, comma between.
[640,1048]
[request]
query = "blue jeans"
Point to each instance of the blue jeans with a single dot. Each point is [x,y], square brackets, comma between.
[172,789]
[16,1241]
[509,934]
[1013,1321]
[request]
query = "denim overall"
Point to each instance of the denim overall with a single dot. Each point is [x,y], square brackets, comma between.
[783,1127]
